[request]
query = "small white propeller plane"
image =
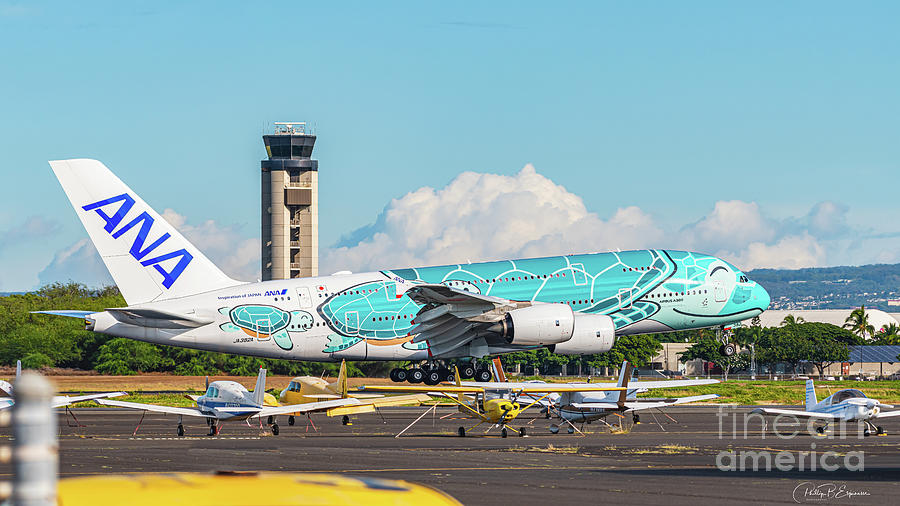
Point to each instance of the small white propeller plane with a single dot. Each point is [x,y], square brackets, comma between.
[229,401]
[58,401]
[847,405]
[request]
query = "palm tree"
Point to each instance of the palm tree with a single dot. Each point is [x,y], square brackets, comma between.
[888,335]
[790,320]
[858,323]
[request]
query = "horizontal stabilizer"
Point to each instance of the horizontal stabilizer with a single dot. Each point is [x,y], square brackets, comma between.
[157,318]
[67,313]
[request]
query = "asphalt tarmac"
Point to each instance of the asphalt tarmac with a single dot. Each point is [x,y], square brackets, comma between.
[661,460]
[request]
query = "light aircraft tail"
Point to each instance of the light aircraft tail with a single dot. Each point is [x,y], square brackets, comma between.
[146,256]
[810,395]
[5,386]
[497,366]
[624,378]
[259,391]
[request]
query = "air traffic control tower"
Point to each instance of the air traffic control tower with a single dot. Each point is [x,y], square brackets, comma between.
[290,204]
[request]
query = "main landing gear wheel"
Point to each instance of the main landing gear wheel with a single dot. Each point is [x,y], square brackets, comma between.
[291,420]
[275,429]
[461,432]
[820,429]
[212,430]
[879,430]
[345,420]
[522,432]
[636,419]
[446,374]
[395,375]
[467,371]
[180,430]
[504,433]
[483,375]
[432,377]
[554,429]
[415,375]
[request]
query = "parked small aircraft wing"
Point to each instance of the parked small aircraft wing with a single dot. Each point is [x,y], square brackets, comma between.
[661,403]
[307,407]
[793,412]
[63,400]
[155,408]
[888,414]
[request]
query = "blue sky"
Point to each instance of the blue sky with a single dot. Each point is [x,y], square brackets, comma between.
[672,107]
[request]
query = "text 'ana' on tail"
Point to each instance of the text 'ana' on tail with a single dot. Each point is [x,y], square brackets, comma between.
[147,257]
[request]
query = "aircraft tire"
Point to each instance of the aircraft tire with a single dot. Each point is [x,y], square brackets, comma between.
[395,375]
[180,430]
[291,420]
[467,371]
[415,375]
[432,378]
[522,432]
[728,349]
[461,432]
[446,374]
[504,432]
[879,430]
[275,429]
[483,375]
[345,420]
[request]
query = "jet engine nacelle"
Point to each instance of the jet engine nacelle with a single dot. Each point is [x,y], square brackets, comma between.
[537,325]
[594,333]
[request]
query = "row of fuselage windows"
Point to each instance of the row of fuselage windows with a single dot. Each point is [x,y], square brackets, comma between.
[676,294]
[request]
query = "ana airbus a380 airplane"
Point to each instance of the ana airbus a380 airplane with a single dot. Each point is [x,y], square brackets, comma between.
[574,304]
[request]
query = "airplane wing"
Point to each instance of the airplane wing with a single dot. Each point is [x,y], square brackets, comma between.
[793,412]
[69,313]
[451,317]
[437,390]
[306,407]
[888,414]
[671,383]
[64,400]
[593,405]
[153,407]
[6,403]
[661,403]
[398,400]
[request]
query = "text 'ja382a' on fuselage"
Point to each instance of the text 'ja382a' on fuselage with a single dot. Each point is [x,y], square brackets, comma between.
[574,304]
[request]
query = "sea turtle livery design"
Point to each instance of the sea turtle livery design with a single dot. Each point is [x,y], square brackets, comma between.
[264,322]
[613,284]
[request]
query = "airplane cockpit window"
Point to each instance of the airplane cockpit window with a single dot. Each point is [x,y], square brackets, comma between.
[209,392]
[849,393]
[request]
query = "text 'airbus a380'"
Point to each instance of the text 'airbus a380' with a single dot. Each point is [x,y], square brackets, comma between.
[574,304]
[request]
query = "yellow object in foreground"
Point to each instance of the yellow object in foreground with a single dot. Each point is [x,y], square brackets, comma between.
[233,489]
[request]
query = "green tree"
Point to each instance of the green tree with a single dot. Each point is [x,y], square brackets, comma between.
[122,356]
[707,349]
[790,320]
[636,349]
[858,323]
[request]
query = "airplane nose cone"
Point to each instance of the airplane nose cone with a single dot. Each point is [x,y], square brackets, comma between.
[763,297]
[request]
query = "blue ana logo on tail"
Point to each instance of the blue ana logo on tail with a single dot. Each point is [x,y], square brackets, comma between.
[138,250]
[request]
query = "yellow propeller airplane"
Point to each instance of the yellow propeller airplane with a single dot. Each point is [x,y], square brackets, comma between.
[498,411]
[303,389]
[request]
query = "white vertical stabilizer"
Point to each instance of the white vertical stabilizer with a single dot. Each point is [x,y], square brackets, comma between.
[810,395]
[146,256]
[259,391]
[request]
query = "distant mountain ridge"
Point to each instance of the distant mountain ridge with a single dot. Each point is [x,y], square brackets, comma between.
[831,287]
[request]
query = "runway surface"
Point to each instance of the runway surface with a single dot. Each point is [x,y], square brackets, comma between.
[673,461]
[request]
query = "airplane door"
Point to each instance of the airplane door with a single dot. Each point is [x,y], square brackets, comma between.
[303,297]
[578,275]
[719,290]
[351,322]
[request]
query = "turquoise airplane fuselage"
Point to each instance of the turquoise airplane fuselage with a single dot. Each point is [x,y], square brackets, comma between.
[369,316]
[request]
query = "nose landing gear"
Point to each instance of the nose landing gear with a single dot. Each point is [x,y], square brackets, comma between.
[724,335]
